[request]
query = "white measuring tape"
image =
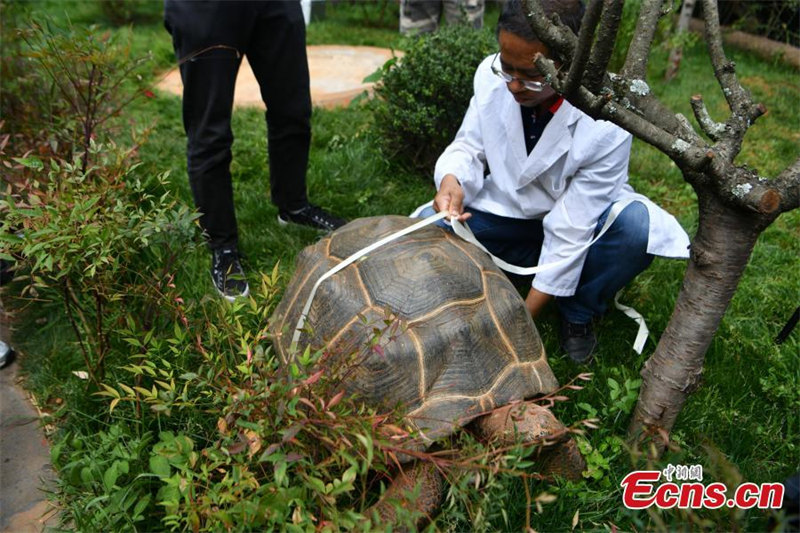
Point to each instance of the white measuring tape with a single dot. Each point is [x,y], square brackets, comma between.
[463,231]
[355,257]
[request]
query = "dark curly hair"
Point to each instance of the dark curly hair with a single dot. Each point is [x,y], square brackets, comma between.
[513,19]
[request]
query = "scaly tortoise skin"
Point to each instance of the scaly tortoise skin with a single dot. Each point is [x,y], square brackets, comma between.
[466,344]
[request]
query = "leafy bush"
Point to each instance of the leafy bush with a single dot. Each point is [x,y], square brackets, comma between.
[97,242]
[66,85]
[89,231]
[104,481]
[227,437]
[424,95]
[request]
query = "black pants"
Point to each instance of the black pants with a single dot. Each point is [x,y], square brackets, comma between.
[210,38]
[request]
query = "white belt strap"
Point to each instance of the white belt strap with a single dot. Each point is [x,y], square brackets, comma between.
[463,231]
[630,312]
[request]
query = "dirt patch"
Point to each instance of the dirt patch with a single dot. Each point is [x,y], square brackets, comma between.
[337,75]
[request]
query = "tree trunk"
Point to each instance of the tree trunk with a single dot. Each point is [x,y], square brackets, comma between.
[761,46]
[676,54]
[720,252]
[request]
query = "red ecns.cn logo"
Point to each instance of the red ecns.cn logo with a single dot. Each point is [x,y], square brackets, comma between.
[640,492]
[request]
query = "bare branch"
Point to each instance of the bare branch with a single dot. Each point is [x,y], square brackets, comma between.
[558,38]
[742,187]
[558,82]
[738,99]
[604,45]
[713,129]
[688,156]
[635,95]
[688,130]
[585,37]
[788,186]
[743,110]
[639,50]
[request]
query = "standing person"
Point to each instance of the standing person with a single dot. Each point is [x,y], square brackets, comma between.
[210,38]
[422,16]
[537,178]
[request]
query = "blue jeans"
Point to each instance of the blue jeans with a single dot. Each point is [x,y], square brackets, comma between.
[519,242]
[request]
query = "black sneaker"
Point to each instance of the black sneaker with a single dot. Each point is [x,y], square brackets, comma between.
[227,274]
[578,341]
[312,216]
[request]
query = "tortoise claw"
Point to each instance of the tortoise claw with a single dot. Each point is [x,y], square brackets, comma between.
[430,481]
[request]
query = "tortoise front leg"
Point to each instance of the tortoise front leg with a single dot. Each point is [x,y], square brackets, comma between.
[535,424]
[430,481]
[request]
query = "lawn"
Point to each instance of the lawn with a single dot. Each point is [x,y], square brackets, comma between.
[743,424]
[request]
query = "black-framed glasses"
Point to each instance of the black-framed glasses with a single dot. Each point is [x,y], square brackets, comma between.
[536,86]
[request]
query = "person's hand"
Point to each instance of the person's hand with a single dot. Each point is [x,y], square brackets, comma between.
[450,198]
[536,301]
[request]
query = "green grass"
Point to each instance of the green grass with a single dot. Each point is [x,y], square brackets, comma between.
[748,408]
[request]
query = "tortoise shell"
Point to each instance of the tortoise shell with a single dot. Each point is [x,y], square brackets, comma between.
[454,339]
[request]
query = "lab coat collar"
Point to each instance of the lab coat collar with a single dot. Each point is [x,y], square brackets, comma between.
[555,142]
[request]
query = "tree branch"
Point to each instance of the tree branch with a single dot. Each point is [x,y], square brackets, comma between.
[743,110]
[688,156]
[738,99]
[639,51]
[788,186]
[713,129]
[585,38]
[633,94]
[552,32]
[744,188]
[604,45]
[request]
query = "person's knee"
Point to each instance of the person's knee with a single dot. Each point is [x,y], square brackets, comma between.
[426,212]
[289,121]
[635,222]
[209,152]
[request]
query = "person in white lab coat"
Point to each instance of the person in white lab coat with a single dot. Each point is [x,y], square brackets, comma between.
[536,179]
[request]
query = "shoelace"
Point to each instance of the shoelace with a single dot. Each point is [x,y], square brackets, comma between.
[317,215]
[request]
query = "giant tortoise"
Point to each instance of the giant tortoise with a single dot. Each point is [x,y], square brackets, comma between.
[465,346]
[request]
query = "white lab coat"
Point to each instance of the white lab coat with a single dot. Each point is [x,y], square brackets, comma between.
[575,171]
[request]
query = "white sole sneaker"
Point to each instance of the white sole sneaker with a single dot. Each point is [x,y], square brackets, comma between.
[231,299]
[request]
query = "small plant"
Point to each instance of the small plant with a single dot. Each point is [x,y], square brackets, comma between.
[75,82]
[96,241]
[105,480]
[424,95]
[87,230]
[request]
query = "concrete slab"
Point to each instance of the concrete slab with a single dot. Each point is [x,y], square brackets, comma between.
[336,71]
[24,459]
[24,456]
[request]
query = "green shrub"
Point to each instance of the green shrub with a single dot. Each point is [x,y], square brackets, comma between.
[424,95]
[246,443]
[97,242]
[64,86]
[104,481]
[89,231]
